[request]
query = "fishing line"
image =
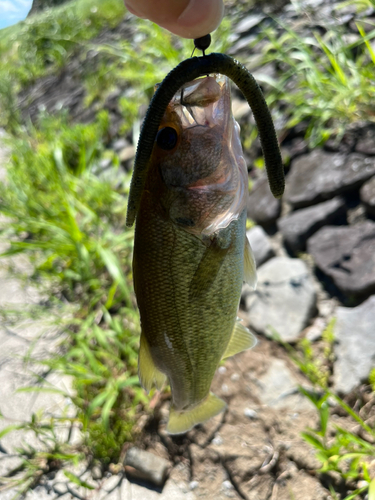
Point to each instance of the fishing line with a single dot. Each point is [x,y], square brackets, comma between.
[189,70]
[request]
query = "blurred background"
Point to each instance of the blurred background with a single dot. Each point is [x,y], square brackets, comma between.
[75,82]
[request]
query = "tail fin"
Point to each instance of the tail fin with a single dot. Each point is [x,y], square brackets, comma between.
[182,421]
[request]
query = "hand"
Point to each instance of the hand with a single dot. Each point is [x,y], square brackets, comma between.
[186,18]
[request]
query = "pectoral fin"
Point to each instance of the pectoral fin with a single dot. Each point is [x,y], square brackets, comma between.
[207,269]
[148,374]
[250,273]
[182,421]
[240,340]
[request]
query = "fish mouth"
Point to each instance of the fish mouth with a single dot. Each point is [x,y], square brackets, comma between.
[205,172]
[204,102]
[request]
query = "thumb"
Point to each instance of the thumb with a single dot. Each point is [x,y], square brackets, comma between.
[186,18]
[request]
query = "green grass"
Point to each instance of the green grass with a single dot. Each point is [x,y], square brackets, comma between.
[71,223]
[342,453]
[138,66]
[43,43]
[72,219]
[327,83]
[323,80]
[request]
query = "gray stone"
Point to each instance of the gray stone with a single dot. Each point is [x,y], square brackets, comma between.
[127,154]
[111,483]
[240,108]
[60,487]
[367,194]
[355,348]
[9,494]
[40,493]
[249,22]
[120,144]
[251,414]
[347,255]
[172,491]
[193,485]
[260,245]
[262,207]
[148,466]
[284,301]
[319,176]
[278,388]
[298,226]
[8,463]
[241,44]
[315,331]
[97,472]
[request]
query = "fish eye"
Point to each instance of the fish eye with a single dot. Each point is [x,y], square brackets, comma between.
[167,138]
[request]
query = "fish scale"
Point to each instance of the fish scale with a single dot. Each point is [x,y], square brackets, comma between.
[167,307]
[188,279]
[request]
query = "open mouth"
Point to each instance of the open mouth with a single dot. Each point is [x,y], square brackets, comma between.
[203,102]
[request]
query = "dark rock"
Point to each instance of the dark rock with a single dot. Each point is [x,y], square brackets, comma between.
[260,244]
[368,196]
[296,147]
[147,466]
[347,255]
[284,301]
[367,24]
[355,347]
[343,144]
[347,9]
[298,226]
[366,143]
[65,89]
[39,5]
[319,176]
[262,207]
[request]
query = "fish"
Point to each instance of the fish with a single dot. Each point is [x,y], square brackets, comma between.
[191,255]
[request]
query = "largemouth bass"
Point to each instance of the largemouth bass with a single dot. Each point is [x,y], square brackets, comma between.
[191,254]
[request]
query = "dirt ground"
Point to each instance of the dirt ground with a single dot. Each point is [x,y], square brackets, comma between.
[254,450]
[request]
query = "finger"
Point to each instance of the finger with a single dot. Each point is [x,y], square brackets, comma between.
[186,18]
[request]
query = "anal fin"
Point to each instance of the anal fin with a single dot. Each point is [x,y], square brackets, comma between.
[250,272]
[148,374]
[182,421]
[240,340]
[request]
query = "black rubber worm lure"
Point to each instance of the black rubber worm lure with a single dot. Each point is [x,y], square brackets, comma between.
[185,72]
